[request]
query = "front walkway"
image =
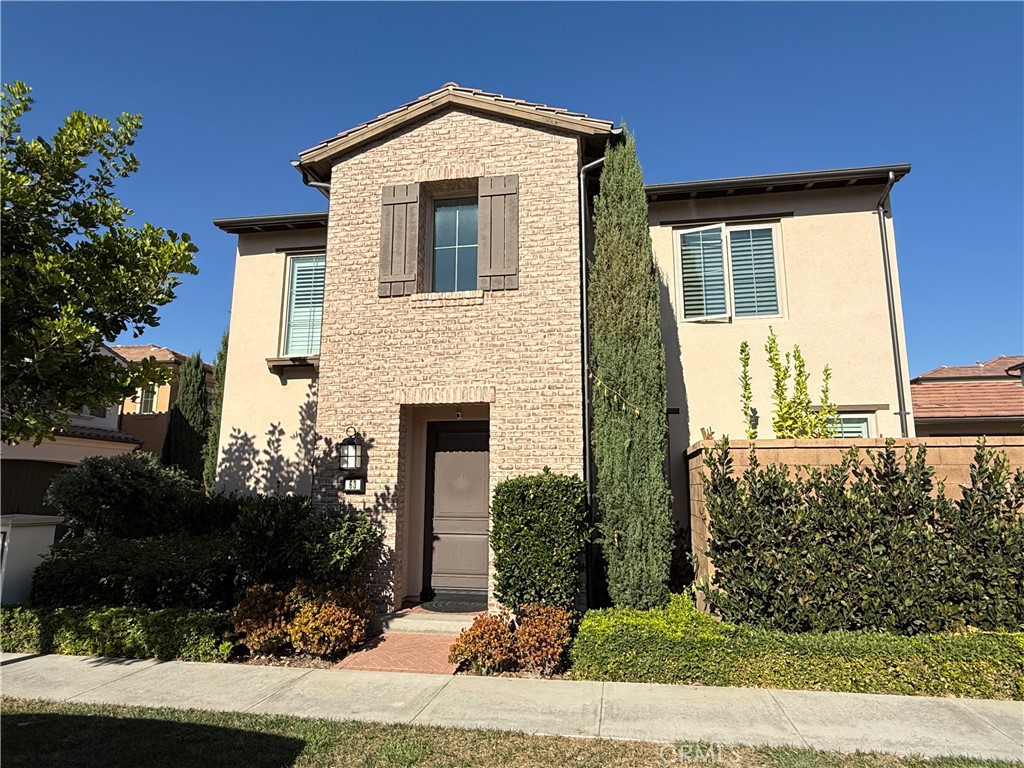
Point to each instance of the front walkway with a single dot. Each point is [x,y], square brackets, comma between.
[903,725]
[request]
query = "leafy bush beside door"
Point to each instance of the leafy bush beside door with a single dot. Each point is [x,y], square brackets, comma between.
[538,532]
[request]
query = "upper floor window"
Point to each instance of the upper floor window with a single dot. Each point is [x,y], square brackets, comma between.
[305,306]
[455,245]
[729,272]
[147,399]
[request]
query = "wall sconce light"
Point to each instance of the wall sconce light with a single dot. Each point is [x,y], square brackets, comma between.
[351,450]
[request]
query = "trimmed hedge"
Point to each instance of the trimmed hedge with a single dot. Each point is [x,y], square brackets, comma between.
[677,644]
[866,544]
[168,572]
[135,633]
[538,533]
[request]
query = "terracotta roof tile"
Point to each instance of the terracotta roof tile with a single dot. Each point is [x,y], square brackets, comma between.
[137,352]
[95,433]
[983,397]
[995,368]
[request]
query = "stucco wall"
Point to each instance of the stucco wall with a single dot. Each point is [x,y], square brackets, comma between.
[268,421]
[832,304]
[516,351]
[950,456]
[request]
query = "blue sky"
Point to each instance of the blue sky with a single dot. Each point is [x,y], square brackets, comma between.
[231,92]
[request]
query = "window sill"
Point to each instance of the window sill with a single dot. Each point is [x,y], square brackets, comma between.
[278,365]
[448,299]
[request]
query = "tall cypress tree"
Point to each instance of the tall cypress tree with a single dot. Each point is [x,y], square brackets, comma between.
[211,452]
[627,368]
[189,420]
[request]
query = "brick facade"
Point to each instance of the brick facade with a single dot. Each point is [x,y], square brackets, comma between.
[517,351]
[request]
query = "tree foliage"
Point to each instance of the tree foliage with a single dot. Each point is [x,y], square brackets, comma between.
[189,420]
[211,452]
[75,275]
[627,365]
[794,416]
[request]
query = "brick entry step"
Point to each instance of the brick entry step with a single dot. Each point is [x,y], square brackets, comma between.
[403,652]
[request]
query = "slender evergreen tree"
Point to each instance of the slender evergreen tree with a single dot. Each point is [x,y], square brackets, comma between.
[212,449]
[627,368]
[189,420]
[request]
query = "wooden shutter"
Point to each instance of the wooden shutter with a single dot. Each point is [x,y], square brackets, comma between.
[498,241]
[399,239]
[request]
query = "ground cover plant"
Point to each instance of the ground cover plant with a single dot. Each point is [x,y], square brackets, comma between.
[43,733]
[870,543]
[678,644]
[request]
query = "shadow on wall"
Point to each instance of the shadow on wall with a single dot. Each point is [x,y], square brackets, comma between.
[265,465]
[678,440]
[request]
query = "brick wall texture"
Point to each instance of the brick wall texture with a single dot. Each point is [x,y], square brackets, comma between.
[381,356]
[950,456]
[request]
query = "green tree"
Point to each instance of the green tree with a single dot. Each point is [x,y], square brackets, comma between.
[189,420]
[74,274]
[627,366]
[211,452]
[794,415]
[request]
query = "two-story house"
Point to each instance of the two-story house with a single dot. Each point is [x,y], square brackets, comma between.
[421,340]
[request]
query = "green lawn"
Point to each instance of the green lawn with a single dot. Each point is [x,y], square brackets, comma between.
[39,733]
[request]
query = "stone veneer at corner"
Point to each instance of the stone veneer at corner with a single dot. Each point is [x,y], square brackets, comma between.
[517,351]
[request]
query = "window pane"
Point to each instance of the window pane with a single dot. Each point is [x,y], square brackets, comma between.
[467,224]
[305,306]
[753,272]
[703,273]
[852,426]
[444,224]
[444,269]
[466,269]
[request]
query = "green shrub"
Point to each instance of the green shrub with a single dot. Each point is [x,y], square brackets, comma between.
[339,546]
[132,495]
[190,635]
[870,545]
[678,644]
[538,532]
[326,628]
[165,572]
[487,647]
[543,634]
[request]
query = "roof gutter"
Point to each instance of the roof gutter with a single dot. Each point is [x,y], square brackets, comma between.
[901,397]
[323,187]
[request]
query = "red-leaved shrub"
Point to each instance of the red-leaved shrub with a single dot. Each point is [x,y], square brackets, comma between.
[487,647]
[542,638]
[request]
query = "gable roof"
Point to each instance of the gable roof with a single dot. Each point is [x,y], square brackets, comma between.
[997,368]
[314,161]
[135,353]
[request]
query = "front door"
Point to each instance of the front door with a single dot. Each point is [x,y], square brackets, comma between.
[457,508]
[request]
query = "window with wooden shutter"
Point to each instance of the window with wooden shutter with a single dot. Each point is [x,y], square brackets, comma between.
[752,259]
[399,239]
[498,240]
[305,306]
[701,251]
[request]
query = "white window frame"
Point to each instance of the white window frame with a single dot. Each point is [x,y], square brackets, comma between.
[286,304]
[142,392]
[730,309]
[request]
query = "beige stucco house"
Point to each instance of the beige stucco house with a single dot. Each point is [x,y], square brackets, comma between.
[421,340]
[146,414]
[26,469]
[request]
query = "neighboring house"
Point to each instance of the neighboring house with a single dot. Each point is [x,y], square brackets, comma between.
[428,327]
[146,414]
[27,469]
[981,399]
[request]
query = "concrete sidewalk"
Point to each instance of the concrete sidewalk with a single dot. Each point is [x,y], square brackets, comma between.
[847,722]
